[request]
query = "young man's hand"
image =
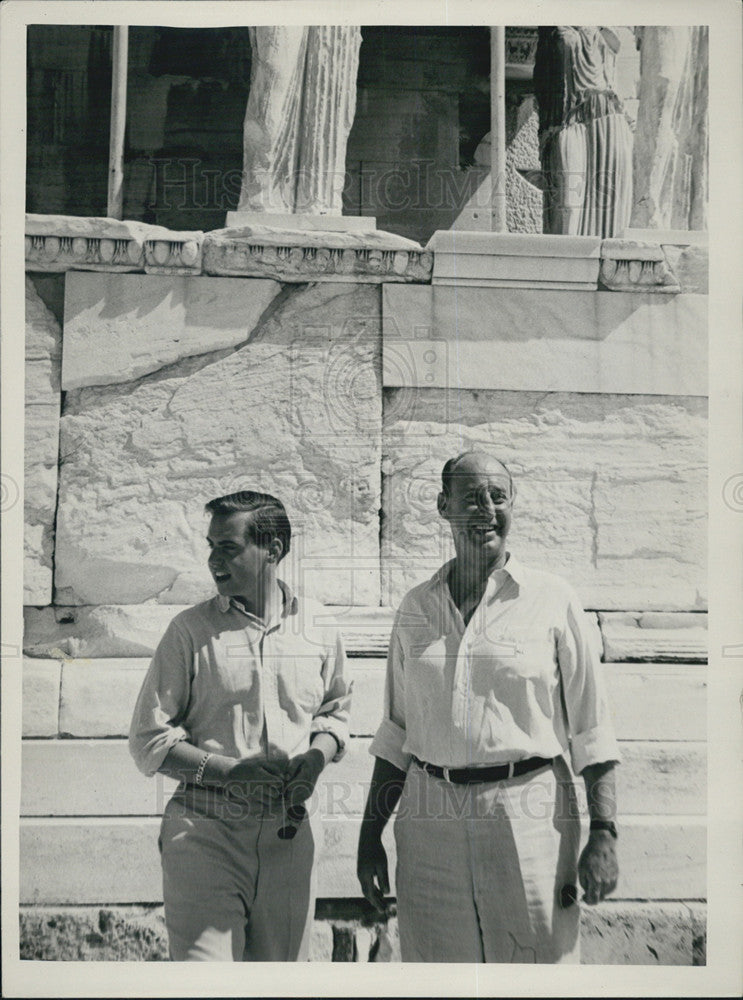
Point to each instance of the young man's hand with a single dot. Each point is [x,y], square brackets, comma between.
[255,779]
[301,774]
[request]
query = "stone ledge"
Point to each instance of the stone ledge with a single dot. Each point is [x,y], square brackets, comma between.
[66,242]
[613,933]
[134,630]
[654,637]
[629,266]
[290,256]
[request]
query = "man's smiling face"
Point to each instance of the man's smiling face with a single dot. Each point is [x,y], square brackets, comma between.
[236,563]
[478,507]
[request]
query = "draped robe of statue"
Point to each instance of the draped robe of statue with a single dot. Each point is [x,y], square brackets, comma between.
[671,137]
[585,141]
[300,110]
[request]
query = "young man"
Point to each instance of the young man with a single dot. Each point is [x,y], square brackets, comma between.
[245,702]
[491,680]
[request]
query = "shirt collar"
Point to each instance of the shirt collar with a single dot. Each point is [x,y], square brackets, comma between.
[225,602]
[512,568]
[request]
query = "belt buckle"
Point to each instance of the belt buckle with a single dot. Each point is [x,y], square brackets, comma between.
[446,774]
[510,770]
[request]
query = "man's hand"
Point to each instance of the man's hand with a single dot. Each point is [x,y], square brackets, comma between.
[301,774]
[371,869]
[251,779]
[597,868]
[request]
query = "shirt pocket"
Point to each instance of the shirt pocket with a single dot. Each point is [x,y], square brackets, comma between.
[526,651]
[300,684]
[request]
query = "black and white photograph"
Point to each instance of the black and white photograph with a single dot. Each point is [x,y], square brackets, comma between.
[372,499]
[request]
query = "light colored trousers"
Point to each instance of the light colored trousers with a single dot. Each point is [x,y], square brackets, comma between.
[480,869]
[233,891]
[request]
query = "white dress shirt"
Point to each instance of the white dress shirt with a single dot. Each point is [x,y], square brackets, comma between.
[521,679]
[232,684]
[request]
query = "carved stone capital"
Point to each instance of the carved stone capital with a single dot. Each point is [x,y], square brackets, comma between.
[629,266]
[258,251]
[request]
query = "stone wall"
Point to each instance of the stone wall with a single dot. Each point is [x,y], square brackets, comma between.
[345,398]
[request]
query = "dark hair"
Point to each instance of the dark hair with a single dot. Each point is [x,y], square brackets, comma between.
[268,521]
[448,472]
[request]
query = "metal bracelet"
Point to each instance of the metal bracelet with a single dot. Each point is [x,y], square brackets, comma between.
[198,779]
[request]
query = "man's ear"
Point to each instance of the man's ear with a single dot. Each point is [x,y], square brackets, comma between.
[275,550]
[442,504]
[513,493]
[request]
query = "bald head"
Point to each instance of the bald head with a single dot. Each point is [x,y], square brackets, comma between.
[469,462]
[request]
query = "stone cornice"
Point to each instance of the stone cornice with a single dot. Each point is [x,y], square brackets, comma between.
[56,243]
[630,266]
[260,252]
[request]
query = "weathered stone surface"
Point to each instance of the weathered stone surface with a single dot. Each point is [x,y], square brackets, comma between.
[321,942]
[41,451]
[133,934]
[613,933]
[94,632]
[544,340]
[65,242]
[655,701]
[690,264]
[670,169]
[698,912]
[292,256]
[97,696]
[629,266]
[631,636]
[596,477]
[515,260]
[119,327]
[101,631]
[296,412]
[41,697]
[636,934]
[98,778]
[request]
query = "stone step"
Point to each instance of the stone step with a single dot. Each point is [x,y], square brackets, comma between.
[654,636]
[98,778]
[651,701]
[612,933]
[115,860]
[133,630]
[123,631]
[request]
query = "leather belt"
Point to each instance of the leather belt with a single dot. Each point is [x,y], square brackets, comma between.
[475,775]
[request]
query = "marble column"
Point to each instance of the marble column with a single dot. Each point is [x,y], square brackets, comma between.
[670,168]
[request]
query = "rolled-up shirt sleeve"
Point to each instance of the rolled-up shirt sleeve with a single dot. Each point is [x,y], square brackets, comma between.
[332,716]
[391,735]
[590,725]
[162,702]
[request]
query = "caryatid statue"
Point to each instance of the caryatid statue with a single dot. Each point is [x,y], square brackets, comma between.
[300,111]
[585,141]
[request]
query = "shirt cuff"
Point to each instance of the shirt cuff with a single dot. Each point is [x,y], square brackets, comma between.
[149,754]
[388,744]
[594,746]
[338,730]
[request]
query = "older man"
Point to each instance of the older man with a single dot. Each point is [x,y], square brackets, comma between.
[245,702]
[491,681]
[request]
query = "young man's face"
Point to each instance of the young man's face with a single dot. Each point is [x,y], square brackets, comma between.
[236,563]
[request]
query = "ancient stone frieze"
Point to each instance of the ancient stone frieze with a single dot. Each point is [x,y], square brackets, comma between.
[298,257]
[62,243]
[627,266]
